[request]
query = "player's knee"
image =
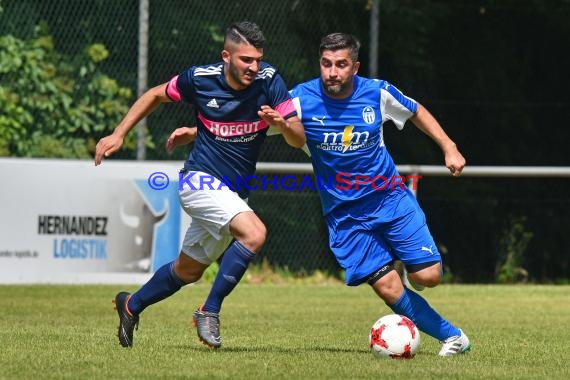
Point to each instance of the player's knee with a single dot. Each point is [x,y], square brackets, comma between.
[255,237]
[434,278]
[430,281]
[387,285]
[188,275]
[429,276]
[188,270]
[249,230]
[390,292]
[258,236]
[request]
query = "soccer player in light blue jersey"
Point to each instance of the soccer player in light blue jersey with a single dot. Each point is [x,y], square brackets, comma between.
[372,217]
[235,101]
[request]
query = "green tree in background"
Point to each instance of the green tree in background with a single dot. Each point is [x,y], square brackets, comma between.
[55,106]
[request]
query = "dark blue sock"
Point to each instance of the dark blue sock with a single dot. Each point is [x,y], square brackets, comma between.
[234,264]
[163,284]
[415,307]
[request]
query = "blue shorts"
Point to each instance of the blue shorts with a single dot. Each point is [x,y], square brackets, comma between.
[370,232]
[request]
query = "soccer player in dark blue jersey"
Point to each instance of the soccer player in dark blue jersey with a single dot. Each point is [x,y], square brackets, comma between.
[235,101]
[372,217]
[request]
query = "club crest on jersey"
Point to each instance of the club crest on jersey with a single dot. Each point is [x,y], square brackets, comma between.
[368,115]
[348,139]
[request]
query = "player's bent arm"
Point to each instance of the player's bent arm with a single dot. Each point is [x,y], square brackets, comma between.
[144,105]
[294,132]
[292,128]
[181,136]
[425,121]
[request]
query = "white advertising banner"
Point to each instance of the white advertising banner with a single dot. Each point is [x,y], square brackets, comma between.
[67,221]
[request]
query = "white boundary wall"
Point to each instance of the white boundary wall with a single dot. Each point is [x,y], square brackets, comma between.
[67,221]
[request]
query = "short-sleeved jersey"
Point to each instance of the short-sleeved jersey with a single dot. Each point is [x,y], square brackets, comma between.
[345,138]
[230,132]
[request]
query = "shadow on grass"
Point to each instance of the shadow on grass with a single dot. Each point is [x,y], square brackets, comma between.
[274,349]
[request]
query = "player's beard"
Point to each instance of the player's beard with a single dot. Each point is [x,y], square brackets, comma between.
[238,77]
[335,90]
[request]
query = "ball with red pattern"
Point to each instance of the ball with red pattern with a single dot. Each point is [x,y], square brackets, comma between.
[394,336]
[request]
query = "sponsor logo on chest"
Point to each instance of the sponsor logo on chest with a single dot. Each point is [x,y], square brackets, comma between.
[352,137]
[346,140]
[231,129]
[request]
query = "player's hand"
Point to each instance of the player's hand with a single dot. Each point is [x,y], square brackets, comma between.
[106,147]
[454,161]
[272,117]
[181,136]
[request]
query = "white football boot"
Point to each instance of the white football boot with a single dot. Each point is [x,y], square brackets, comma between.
[455,345]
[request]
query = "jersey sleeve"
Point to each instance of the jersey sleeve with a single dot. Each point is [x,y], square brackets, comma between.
[396,106]
[271,131]
[297,106]
[294,93]
[280,99]
[181,87]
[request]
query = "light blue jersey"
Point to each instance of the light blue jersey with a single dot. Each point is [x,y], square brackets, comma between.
[345,137]
[371,216]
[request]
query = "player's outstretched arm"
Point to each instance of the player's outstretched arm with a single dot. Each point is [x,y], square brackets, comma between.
[425,121]
[140,109]
[292,128]
[181,136]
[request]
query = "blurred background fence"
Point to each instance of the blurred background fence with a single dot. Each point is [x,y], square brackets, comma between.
[493,72]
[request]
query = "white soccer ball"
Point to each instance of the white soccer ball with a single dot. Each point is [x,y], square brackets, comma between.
[394,336]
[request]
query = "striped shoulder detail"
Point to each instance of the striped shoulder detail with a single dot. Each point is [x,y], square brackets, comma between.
[267,72]
[210,70]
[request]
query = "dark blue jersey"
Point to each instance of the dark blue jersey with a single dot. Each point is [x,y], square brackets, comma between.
[230,132]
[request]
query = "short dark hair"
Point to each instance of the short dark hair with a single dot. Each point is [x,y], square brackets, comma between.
[338,41]
[245,32]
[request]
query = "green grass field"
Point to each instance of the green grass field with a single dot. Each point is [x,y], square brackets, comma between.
[288,331]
